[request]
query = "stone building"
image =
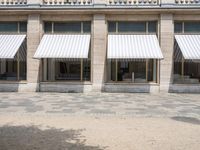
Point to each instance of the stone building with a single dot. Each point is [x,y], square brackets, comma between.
[100,45]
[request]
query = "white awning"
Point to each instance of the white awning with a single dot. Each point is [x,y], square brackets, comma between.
[189,46]
[9,45]
[63,46]
[133,47]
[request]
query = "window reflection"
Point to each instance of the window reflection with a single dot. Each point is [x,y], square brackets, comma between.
[136,71]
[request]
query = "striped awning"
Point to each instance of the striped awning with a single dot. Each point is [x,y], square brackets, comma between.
[133,47]
[9,45]
[63,46]
[189,46]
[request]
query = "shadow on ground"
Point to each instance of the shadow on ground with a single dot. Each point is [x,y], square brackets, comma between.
[187,120]
[33,138]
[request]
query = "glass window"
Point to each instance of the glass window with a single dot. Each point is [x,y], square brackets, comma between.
[86,70]
[139,71]
[112,26]
[185,71]
[192,26]
[8,27]
[87,27]
[152,70]
[132,71]
[48,27]
[66,70]
[152,27]
[9,68]
[22,60]
[67,27]
[132,26]
[178,27]
[23,27]
[123,71]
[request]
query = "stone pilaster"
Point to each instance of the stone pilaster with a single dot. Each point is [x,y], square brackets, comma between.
[99,41]
[166,42]
[33,40]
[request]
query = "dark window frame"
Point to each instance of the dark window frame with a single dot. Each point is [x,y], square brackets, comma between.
[115,74]
[84,29]
[19,28]
[145,30]
[183,23]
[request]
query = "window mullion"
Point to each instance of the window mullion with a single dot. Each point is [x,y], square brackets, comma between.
[81,70]
[116,70]
[18,62]
[147,63]
[52,30]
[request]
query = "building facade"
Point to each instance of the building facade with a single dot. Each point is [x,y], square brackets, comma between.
[100,45]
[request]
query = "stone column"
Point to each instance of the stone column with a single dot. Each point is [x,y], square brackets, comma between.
[167,44]
[99,52]
[34,30]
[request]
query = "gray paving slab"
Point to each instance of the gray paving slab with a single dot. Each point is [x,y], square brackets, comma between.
[154,105]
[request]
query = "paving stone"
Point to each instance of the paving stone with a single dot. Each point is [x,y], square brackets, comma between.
[166,105]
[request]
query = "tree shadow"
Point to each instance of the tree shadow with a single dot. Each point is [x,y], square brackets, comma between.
[33,138]
[187,120]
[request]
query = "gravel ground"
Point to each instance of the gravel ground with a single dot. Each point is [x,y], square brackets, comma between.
[139,122]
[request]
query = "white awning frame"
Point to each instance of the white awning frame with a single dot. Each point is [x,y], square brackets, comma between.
[133,47]
[72,46]
[10,44]
[189,46]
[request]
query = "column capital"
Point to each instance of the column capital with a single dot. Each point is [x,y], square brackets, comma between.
[166,16]
[99,17]
[100,2]
[34,2]
[167,2]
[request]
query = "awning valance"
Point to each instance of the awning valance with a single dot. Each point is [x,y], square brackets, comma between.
[189,46]
[133,47]
[63,46]
[9,45]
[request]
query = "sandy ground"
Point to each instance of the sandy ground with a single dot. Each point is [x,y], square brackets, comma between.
[59,132]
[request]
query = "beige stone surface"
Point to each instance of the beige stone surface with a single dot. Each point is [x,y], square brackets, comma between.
[99,39]
[34,2]
[99,43]
[33,40]
[115,133]
[166,43]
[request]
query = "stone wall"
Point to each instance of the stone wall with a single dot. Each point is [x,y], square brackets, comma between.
[98,51]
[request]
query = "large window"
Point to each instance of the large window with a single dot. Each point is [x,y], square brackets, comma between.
[67,27]
[14,69]
[136,71]
[67,69]
[187,27]
[132,27]
[132,70]
[15,27]
[185,71]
